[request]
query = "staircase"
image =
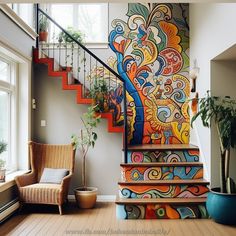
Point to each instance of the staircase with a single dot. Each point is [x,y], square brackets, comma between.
[162,182]
[158,181]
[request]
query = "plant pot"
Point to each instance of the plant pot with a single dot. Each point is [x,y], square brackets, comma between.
[86,198]
[221,206]
[43,36]
[2,175]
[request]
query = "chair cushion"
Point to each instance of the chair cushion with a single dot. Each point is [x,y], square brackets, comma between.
[41,193]
[53,176]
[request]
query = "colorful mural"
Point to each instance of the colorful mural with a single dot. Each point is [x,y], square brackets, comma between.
[161,211]
[157,173]
[163,191]
[163,156]
[151,50]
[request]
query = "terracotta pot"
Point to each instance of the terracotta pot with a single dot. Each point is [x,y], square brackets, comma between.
[2,175]
[43,36]
[86,198]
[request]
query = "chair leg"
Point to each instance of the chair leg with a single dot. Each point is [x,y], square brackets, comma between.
[60,209]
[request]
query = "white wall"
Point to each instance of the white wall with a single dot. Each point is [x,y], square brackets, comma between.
[212,31]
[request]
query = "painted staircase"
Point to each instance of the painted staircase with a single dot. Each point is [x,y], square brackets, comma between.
[162,182]
[158,181]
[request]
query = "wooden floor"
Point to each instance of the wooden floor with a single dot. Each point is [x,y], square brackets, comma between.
[44,220]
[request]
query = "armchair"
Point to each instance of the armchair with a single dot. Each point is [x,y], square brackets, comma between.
[46,156]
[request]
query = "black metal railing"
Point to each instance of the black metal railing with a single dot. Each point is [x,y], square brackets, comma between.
[98,80]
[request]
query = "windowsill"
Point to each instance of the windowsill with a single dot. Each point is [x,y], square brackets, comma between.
[10,179]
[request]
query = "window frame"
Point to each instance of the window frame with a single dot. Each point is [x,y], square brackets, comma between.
[93,44]
[10,87]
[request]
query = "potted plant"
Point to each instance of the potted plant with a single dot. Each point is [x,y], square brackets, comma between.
[86,196]
[76,34]
[99,93]
[221,202]
[3,148]
[43,29]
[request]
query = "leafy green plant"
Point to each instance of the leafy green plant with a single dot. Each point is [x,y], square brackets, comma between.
[99,92]
[222,111]
[43,24]
[87,138]
[76,34]
[3,148]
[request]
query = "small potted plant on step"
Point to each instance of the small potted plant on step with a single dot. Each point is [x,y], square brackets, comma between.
[3,148]
[43,29]
[221,202]
[86,196]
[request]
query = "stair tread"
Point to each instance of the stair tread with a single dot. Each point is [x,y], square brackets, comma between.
[160,200]
[159,164]
[163,182]
[162,147]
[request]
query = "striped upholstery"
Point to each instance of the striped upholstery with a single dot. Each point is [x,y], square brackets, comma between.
[41,193]
[46,156]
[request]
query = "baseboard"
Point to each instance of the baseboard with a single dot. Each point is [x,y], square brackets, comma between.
[9,209]
[100,198]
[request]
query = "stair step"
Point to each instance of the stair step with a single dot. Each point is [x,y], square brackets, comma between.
[166,182]
[161,171]
[142,147]
[171,208]
[160,164]
[150,156]
[160,200]
[163,189]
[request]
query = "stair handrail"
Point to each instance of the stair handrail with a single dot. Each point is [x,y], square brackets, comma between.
[125,138]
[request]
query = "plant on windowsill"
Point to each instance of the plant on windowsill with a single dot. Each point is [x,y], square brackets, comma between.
[3,148]
[99,94]
[76,34]
[43,29]
[86,196]
[221,202]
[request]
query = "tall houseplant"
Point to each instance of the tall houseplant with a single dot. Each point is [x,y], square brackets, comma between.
[86,196]
[3,148]
[221,111]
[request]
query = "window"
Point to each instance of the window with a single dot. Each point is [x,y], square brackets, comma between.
[91,19]
[7,110]
[24,11]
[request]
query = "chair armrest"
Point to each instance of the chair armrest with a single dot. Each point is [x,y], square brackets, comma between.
[65,185]
[66,180]
[26,179]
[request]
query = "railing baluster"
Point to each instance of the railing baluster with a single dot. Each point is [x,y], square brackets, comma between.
[84,60]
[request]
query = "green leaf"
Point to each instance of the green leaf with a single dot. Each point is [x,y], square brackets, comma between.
[137,9]
[184,40]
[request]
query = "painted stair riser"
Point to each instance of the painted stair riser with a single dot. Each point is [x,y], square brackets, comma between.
[163,156]
[159,173]
[161,211]
[163,191]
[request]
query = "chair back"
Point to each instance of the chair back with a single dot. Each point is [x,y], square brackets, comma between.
[51,156]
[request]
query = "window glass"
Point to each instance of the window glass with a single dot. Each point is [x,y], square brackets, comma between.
[4,122]
[91,19]
[4,71]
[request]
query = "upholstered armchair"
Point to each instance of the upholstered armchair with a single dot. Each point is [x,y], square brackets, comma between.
[31,190]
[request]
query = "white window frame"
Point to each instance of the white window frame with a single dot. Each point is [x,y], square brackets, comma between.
[11,88]
[47,8]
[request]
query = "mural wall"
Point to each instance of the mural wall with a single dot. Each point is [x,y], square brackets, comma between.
[152,54]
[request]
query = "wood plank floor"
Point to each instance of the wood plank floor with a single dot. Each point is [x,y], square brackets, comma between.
[45,220]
